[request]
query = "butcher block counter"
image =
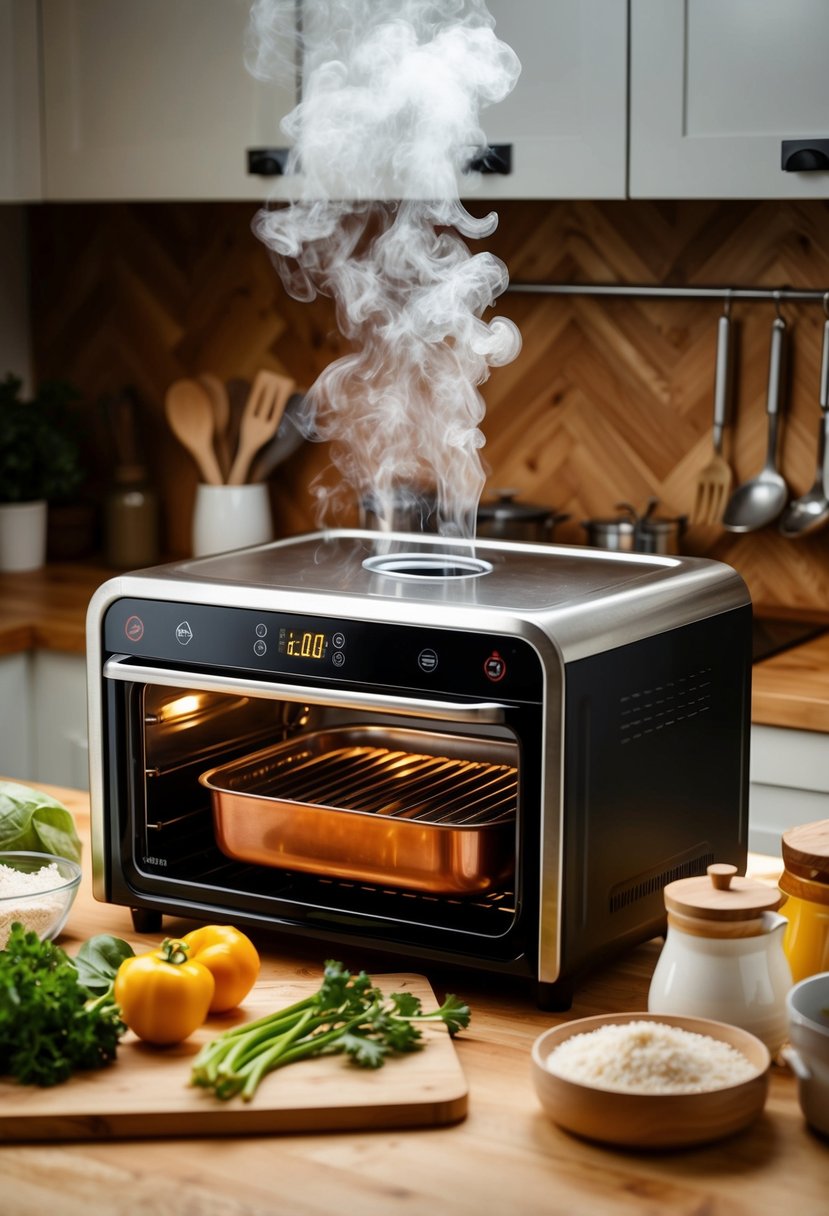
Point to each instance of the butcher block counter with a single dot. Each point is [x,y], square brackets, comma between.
[504,1156]
[46,609]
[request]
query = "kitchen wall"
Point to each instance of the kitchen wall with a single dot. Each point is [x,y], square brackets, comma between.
[609,400]
[15,350]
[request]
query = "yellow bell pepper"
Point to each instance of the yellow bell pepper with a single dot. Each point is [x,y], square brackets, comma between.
[230,957]
[164,995]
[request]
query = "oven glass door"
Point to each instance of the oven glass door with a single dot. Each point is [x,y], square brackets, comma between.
[331,810]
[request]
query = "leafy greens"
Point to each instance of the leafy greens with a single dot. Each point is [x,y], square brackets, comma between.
[31,821]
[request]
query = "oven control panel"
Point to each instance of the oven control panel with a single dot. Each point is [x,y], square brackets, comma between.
[290,646]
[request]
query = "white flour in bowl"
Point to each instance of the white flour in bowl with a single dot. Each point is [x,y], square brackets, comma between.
[649,1057]
[21,899]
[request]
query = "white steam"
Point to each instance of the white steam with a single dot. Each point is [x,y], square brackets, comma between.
[391,93]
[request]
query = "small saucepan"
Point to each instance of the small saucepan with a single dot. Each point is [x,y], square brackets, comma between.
[506,519]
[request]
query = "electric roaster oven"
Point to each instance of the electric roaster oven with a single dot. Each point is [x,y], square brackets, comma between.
[490,756]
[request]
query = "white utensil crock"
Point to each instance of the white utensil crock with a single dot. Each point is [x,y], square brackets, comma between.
[231,517]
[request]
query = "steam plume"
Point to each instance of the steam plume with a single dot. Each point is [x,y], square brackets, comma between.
[390,99]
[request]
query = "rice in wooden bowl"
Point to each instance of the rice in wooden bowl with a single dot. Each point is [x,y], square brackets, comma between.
[646,1084]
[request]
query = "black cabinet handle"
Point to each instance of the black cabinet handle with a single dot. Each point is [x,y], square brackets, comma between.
[804,155]
[497,158]
[267,162]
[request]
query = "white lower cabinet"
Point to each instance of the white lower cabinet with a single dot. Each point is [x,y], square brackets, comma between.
[17,716]
[44,734]
[789,783]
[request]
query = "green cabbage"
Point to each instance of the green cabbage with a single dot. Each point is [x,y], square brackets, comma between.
[33,822]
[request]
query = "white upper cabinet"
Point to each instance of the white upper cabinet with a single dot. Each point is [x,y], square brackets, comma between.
[150,99]
[716,86]
[566,119]
[19,102]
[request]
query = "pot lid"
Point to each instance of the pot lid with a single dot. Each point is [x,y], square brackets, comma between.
[506,509]
[720,895]
[806,850]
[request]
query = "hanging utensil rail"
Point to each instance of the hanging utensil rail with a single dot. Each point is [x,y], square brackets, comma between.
[772,294]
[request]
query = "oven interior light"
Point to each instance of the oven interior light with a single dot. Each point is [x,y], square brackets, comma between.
[182,707]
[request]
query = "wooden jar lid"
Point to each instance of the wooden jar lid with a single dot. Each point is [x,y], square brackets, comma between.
[806,851]
[720,895]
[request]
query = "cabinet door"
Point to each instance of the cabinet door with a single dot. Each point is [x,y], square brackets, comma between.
[19,101]
[566,118]
[716,86]
[152,100]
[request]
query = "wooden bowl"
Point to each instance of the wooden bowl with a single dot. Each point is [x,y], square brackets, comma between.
[657,1121]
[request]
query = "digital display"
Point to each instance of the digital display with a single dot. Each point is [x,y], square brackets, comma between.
[303,643]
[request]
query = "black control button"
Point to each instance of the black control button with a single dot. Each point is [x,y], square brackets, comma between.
[427,660]
[338,641]
[184,633]
[261,630]
[260,648]
[495,667]
[338,658]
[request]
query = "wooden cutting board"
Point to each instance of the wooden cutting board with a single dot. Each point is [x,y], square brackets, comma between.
[146,1092]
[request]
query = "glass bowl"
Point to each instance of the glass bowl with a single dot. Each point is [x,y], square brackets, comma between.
[45,910]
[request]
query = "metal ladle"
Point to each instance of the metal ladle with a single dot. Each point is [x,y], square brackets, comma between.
[811,510]
[759,501]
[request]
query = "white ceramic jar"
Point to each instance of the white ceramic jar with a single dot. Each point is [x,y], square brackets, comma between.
[723,956]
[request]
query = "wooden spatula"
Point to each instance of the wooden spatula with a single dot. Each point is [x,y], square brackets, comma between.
[263,413]
[219,399]
[190,416]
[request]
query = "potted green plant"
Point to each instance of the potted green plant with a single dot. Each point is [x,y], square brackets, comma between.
[40,462]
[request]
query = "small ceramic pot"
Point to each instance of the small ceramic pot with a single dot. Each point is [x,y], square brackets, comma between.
[723,955]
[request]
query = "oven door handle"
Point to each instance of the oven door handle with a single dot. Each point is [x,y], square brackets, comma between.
[119,668]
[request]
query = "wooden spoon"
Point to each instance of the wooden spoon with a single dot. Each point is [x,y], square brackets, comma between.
[219,399]
[263,413]
[190,416]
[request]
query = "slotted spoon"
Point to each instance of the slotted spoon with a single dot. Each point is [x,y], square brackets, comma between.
[714,482]
[260,420]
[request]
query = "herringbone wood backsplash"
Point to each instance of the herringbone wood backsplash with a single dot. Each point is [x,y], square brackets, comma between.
[609,400]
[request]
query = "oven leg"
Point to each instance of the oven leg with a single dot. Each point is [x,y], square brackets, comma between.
[146,920]
[555,998]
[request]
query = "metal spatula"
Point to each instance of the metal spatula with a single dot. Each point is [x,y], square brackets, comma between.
[714,482]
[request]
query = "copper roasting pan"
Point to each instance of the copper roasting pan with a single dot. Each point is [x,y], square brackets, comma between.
[400,808]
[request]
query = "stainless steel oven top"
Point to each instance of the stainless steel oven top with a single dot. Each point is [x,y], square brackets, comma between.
[520,576]
[586,598]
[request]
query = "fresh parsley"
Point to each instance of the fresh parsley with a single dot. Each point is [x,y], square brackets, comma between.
[56,1015]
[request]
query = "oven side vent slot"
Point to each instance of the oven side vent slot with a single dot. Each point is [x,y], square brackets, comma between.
[644,885]
[648,710]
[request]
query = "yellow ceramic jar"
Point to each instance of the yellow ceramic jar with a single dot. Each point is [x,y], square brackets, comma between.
[805,883]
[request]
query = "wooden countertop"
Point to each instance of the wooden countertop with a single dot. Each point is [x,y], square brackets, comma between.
[792,688]
[505,1156]
[46,609]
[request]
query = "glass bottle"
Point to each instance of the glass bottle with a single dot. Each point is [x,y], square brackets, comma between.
[131,520]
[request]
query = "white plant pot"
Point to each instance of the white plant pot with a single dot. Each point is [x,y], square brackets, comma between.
[23,535]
